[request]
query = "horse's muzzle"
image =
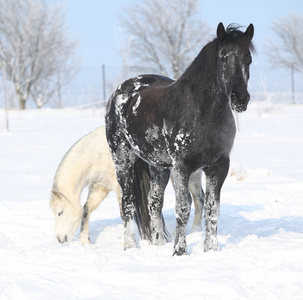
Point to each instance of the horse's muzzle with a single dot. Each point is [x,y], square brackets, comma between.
[239,104]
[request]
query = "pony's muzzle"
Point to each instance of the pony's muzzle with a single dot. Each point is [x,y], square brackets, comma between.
[63,239]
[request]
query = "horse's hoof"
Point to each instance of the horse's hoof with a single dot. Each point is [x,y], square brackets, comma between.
[209,246]
[129,243]
[180,251]
[160,241]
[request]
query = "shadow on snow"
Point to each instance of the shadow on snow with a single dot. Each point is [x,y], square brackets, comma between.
[232,224]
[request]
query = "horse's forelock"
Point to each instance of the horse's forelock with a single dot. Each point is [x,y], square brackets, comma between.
[235,34]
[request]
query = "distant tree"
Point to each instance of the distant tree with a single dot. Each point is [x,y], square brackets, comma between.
[38,55]
[165,35]
[285,50]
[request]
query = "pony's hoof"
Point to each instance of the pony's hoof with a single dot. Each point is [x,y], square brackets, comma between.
[84,239]
[196,228]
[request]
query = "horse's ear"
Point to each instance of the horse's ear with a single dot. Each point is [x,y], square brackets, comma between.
[221,33]
[250,31]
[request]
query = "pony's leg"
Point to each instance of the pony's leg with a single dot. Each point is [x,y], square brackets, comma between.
[96,195]
[182,209]
[195,188]
[214,180]
[124,163]
[159,180]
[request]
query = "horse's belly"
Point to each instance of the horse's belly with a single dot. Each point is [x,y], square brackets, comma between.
[153,154]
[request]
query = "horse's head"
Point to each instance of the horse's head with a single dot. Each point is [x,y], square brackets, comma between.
[67,216]
[234,61]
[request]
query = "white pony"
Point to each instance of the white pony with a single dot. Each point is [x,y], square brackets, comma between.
[88,163]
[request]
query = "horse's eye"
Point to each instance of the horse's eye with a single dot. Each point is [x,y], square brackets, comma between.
[60,213]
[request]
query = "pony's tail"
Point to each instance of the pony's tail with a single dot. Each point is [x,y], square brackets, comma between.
[142,188]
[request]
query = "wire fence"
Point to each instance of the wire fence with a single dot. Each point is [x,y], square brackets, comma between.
[88,99]
[269,97]
[277,97]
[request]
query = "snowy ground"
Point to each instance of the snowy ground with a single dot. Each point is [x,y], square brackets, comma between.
[260,228]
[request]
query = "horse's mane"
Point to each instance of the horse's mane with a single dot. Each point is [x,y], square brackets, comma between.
[204,66]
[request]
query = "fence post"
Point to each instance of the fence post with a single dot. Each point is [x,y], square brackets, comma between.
[104,82]
[5,96]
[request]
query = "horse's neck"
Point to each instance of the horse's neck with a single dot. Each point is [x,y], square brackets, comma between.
[202,76]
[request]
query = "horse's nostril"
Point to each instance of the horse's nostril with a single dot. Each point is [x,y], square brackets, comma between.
[248,97]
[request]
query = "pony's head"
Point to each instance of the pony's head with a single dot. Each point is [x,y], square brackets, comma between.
[234,61]
[67,216]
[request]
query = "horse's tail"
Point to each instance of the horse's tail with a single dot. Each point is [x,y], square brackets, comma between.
[142,188]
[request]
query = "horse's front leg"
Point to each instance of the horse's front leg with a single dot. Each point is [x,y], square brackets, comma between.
[214,180]
[182,209]
[159,180]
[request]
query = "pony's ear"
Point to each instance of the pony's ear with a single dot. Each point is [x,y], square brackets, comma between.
[54,199]
[221,33]
[250,31]
[56,194]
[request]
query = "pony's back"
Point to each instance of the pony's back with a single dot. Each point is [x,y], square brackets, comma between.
[85,162]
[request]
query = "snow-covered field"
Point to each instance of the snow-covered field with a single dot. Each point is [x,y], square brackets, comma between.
[260,227]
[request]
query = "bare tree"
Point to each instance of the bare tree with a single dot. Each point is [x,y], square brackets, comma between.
[286,49]
[165,35]
[38,54]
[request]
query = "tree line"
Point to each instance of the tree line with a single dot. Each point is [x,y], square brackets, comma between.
[38,56]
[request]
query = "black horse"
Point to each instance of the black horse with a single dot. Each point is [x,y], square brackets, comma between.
[156,125]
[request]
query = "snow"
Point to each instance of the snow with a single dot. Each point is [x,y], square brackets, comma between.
[260,227]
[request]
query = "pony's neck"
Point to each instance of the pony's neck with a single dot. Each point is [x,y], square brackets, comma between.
[70,186]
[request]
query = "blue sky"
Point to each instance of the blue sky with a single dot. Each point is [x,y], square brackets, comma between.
[95,23]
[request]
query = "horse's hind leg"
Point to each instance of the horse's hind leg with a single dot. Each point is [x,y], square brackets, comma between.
[124,160]
[159,180]
[96,195]
[195,188]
